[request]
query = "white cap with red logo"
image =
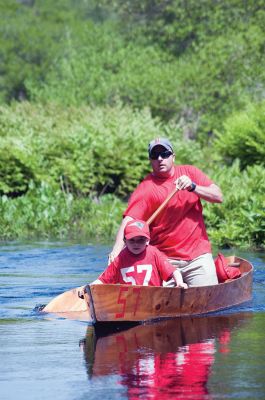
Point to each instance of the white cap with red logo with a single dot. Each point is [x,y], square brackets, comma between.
[136,228]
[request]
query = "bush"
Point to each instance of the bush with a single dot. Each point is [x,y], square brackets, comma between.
[180,27]
[32,34]
[99,67]
[240,220]
[244,136]
[83,151]
[193,67]
[47,213]
[200,88]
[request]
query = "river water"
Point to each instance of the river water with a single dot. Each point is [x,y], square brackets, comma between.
[46,356]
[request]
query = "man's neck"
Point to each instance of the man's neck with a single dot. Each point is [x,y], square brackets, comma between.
[165,175]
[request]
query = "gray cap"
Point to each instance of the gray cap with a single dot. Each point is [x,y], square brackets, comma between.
[160,142]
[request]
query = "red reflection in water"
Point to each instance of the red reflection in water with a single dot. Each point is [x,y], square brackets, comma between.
[224,340]
[162,376]
[172,359]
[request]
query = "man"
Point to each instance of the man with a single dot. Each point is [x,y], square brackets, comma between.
[179,230]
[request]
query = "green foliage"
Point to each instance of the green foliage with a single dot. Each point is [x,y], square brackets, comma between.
[27,46]
[81,150]
[48,213]
[244,136]
[14,174]
[100,67]
[191,63]
[222,76]
[180,26]
[240,219]
[104,78]
[32,34]
[199,89]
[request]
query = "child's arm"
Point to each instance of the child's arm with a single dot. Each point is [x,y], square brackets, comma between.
[178,279]
[108,276]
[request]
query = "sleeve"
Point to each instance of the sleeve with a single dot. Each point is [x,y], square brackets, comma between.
[199,177]
[110,275]
[165,268]
[138,207]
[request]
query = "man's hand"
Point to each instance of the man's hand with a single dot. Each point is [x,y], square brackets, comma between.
[183,182]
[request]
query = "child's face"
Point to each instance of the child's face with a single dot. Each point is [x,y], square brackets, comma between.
[137,244]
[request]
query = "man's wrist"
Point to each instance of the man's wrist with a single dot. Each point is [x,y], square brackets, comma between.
[192,187]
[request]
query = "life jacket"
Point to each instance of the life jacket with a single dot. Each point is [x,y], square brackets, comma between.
[223,270]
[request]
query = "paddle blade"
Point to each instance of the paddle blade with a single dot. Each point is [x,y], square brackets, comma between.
[67,302]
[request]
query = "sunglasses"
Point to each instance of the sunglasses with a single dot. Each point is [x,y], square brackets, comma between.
[162,154]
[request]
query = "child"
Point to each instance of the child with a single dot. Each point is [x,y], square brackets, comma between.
[140,263]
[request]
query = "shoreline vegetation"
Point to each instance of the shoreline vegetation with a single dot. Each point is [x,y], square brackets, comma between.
[83,90]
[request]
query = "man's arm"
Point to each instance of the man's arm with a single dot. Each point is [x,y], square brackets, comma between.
[211,193]
[119,243]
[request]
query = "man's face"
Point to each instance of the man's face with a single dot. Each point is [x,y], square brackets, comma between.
[161,160]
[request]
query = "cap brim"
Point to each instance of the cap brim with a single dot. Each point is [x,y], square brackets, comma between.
[132,235]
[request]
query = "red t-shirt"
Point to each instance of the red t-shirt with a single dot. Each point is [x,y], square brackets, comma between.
[179,230]
[149,268]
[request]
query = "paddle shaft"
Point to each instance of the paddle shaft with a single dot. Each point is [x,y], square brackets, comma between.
[160,208]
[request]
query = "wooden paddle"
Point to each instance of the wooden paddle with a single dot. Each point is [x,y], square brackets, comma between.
[70,301]
[160,208]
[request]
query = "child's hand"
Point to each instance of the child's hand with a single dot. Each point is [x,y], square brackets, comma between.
[179,280]
[182,285]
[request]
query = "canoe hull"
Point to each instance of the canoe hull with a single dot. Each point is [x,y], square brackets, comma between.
[124,303]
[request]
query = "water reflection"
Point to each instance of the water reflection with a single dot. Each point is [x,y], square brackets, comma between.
[170,358]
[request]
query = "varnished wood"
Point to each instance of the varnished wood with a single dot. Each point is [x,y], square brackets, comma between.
[117,303]
[67,302]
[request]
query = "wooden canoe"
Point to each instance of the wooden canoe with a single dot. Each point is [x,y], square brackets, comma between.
[126,303]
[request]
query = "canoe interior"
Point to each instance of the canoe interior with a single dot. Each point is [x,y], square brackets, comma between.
[125,303]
